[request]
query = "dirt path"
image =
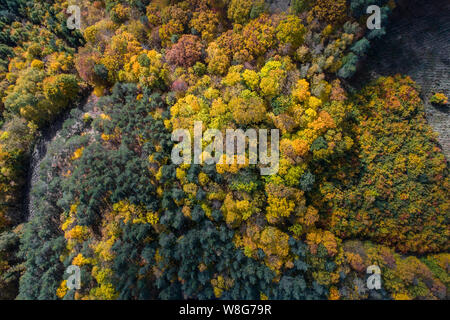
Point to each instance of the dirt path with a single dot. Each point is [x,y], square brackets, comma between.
[40,150]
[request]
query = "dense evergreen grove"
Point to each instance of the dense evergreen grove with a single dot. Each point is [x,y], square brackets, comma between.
[362,179]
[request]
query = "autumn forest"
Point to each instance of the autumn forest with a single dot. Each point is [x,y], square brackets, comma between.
[87,179]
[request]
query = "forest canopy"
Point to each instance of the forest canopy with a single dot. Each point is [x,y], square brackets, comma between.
[362,179]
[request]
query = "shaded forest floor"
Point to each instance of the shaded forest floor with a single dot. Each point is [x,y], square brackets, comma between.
[417,44]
